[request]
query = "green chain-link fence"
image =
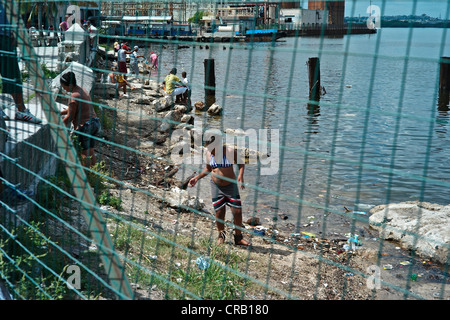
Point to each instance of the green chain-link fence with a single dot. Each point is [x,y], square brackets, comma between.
[334,115]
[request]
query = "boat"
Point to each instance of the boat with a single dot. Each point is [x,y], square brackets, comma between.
[263,35]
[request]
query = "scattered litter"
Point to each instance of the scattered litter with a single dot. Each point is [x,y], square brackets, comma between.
[260,231]
[348,274]
[308,234]
[353,239]
[347,210]
[388,267]
[405,263]
[202,263]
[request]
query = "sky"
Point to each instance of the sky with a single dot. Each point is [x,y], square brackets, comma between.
[433,8]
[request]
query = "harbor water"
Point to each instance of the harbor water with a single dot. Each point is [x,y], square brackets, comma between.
[377,135]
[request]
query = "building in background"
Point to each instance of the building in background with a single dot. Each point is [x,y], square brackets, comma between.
[293,19]
[335,9]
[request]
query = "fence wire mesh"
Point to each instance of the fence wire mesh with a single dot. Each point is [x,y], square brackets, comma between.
[218,150]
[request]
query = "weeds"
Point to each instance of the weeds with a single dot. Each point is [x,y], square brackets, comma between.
[26,271]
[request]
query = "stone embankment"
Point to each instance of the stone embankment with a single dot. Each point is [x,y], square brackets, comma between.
[419,226]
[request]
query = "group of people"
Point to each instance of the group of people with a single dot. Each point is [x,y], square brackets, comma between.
[176,87]
[81,115]
[173,85]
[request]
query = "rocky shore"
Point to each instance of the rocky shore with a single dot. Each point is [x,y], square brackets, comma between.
[304,265]
[150,191]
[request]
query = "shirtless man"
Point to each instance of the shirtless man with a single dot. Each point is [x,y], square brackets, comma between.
[224,192]
[83,117]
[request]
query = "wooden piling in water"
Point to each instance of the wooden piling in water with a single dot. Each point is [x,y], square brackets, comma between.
[314,78]
[444,82]
[210,82]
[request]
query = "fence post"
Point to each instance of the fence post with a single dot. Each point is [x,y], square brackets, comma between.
[314,78]
[210,82]
[444,82]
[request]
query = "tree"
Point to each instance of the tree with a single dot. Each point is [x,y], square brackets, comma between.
[197,17]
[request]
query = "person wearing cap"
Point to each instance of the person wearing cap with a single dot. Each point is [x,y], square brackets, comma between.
[154,58]
[173,84]
[134,61]
[122,59]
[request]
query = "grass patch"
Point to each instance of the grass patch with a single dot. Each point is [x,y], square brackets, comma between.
[30,272]
[157,262]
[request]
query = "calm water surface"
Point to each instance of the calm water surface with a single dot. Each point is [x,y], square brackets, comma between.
[377,135]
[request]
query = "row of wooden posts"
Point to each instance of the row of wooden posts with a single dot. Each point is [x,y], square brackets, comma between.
[210,80]
[314,81]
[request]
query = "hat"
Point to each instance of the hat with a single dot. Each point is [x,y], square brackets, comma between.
[151,52]
[136,47]
[124,46]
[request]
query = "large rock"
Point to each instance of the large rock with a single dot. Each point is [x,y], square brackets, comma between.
[163,104]
[170,120]
[215,109]
[421,226]
[178,198]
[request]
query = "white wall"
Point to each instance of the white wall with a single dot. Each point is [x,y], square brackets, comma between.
[302,17]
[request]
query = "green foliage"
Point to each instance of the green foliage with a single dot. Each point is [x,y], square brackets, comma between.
[26,271]
[52,192]
[48,74]
[107,199]
[97,177]
[104,115]
[197,17]
[218,275]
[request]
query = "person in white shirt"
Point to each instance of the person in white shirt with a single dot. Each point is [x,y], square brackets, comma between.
[186,96]
[134,61]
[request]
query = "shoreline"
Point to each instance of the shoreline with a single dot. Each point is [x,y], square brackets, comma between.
[296,246]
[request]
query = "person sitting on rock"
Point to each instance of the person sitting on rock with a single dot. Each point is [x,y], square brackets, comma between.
[174,86]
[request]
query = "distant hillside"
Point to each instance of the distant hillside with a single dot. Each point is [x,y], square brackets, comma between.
[405,21]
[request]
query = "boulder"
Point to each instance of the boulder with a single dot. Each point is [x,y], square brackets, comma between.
[163,104]
[142,100]
[200,106]
[178,198]
[187,118]
[181,108]
[105,90]
[171,119]
[419,226]
[215,109]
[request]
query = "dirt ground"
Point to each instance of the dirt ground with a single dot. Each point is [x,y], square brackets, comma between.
[297,266]
[318,269]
